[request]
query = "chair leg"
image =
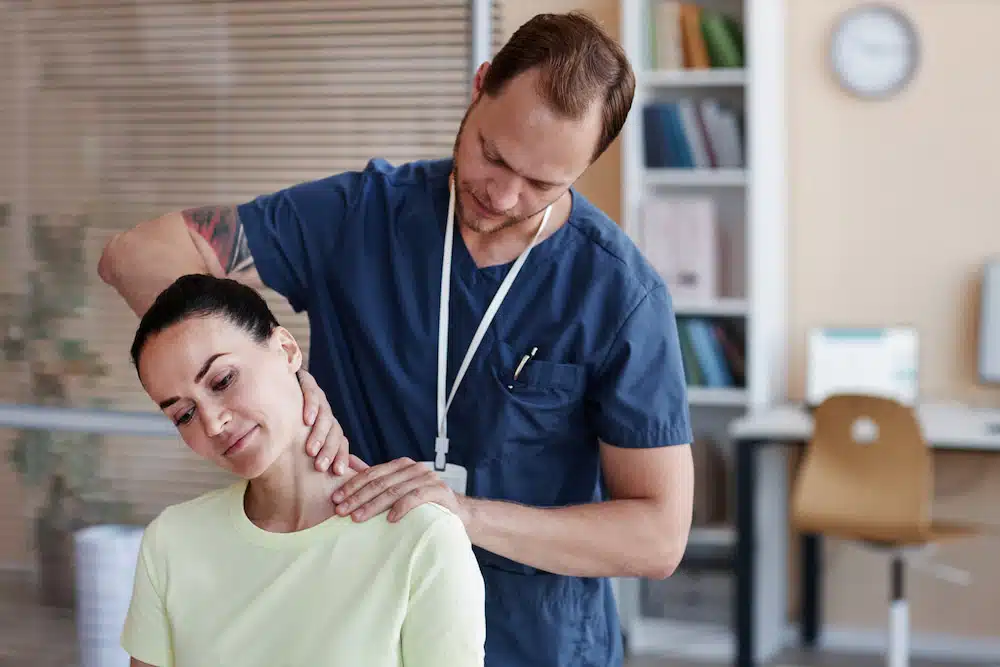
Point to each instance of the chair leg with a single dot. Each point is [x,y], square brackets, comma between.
[899,615]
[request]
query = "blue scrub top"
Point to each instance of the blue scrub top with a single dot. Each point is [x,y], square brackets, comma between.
[361,252]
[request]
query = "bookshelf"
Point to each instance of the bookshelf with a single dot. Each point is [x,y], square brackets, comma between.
[707,127]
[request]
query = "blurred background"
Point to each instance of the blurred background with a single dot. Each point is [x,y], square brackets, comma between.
[806,206]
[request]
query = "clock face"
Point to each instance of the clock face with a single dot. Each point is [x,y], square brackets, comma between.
[874,51]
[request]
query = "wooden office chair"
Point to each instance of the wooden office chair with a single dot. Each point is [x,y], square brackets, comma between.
[874,487]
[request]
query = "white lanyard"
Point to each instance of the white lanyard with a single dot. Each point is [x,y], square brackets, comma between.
[441,442]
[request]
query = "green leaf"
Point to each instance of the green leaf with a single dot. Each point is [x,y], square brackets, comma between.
[32,456]
[73,350]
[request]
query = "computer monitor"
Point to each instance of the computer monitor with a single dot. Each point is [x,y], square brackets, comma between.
[988,354]
[877,362]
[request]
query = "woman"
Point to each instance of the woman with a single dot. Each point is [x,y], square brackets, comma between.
[263,572]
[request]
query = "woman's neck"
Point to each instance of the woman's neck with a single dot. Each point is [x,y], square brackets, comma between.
[292,495]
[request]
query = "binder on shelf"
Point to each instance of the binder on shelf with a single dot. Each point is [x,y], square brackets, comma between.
[679,237]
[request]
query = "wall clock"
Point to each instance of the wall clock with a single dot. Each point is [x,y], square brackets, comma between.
[874,51]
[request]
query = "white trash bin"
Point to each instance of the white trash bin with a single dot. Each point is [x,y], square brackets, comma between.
[106,558]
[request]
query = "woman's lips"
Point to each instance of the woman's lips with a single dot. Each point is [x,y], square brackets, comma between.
[240,444]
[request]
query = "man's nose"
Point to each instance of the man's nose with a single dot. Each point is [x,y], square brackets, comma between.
[503,194]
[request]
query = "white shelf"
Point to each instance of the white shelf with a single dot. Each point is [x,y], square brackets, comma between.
[713,536]
[717,396]
[752,206]
[693,78]
[724,307]
[695,177]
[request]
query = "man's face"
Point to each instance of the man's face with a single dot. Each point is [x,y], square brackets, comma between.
[514,156]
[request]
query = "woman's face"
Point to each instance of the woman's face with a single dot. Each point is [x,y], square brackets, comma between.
[235,402]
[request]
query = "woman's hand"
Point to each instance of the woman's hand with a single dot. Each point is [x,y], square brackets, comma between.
[401,484]
[326,442]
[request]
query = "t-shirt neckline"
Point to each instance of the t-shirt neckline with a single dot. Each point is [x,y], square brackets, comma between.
[275,540]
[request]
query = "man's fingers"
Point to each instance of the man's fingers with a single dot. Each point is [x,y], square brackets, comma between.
[312,397]
[343,456]
[369,473]
[422,493]
[333,445]
[317,437]
[414,488]
[373,482]
[357,465]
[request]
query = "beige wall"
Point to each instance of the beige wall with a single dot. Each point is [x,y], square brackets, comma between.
[893,208]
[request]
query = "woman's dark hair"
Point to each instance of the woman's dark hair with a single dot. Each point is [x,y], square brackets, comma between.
[202,295]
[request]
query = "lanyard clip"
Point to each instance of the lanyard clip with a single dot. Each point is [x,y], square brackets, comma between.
[440,453]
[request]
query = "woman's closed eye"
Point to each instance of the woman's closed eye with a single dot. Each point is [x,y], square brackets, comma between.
[218,385]
[185,417]
[222,383]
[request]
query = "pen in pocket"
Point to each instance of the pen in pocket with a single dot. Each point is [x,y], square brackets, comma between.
[524,360]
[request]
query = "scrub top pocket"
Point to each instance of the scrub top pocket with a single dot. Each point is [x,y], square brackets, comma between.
[544,399]
[540,429]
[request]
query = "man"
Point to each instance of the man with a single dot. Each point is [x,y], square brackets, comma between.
[564,447]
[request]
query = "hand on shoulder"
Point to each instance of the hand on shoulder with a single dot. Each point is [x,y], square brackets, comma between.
[397,486]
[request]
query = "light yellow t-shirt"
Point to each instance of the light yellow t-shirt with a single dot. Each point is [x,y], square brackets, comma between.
[211,588]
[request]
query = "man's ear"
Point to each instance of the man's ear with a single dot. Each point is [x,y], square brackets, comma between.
[289,348]
[477,81]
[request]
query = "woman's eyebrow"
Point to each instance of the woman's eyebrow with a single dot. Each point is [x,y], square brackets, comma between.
[197,378]
[207,365]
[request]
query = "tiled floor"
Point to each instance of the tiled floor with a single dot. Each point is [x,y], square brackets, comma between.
[36,636]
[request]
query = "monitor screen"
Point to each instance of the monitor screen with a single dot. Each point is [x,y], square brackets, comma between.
[988,357]
[880,362]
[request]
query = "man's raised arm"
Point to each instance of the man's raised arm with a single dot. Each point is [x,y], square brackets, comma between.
[141,262]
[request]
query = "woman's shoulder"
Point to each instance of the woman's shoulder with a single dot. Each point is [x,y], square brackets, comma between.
[435,527]
[423,517]
[195,513]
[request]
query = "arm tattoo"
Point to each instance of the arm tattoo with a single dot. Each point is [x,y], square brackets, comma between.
[221,227]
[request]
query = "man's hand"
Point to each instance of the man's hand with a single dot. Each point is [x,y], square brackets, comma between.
[400,485]
[326,441]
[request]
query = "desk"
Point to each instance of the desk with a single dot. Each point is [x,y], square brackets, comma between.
[762,512]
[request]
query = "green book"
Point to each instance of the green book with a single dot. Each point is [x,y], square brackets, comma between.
[722,40]
[692,371]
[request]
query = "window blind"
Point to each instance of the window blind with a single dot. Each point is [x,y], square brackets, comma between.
[129,109]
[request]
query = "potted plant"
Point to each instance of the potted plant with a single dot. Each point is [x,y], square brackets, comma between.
[63,468]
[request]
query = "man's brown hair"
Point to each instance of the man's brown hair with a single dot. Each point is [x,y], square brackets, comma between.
[579,64]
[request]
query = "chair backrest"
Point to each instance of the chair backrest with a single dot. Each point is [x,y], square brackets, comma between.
[879,487]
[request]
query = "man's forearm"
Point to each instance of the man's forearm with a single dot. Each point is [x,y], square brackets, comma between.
[617,538]
[141,263]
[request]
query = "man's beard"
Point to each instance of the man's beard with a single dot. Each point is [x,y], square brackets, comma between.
[478,225]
